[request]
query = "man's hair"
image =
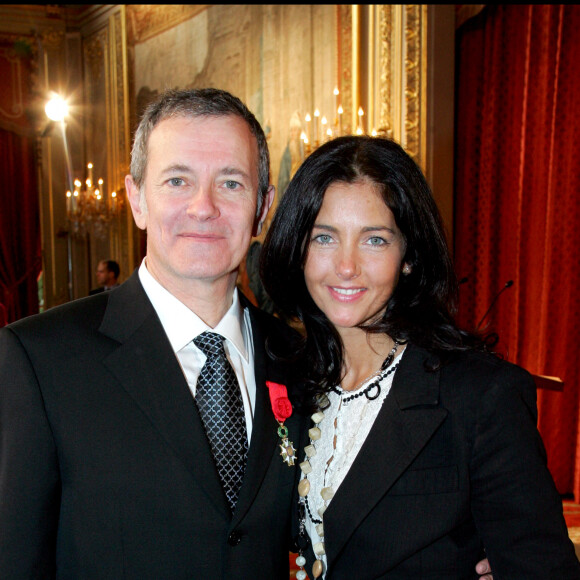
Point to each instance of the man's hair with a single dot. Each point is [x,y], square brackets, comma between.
[112,266]
[197,103]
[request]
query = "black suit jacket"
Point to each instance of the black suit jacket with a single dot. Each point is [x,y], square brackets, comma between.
[454,463]
[105,469]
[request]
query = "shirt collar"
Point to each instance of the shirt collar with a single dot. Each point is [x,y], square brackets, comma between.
[182,325]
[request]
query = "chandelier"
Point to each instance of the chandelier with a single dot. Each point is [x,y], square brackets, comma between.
[89,208]
[319,129]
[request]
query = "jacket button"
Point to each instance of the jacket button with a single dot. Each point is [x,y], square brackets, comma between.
[234,538]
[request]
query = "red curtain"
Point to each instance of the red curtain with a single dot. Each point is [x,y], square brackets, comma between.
[20,253]
[517,202]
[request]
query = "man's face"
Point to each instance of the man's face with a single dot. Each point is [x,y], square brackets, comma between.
[102,274]
[200,191]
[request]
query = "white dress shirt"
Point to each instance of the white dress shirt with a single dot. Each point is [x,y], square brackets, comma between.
[182,325]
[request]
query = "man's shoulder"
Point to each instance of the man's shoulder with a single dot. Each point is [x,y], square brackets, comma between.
[82,313]
[87,312]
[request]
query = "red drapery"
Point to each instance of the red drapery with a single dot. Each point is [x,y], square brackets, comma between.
[517,202]
[20,253]
[20,244]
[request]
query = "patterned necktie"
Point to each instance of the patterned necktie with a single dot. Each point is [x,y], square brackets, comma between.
[220,405]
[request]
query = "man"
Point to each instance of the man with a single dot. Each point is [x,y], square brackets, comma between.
[107,276]
[106,470]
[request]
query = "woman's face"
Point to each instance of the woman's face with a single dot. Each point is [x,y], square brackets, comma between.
[354,256]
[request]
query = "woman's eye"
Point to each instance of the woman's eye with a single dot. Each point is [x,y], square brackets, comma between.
[176,181]
[376,241]
[322,239]
[231,184]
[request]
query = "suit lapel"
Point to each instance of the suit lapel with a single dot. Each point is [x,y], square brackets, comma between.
[264,439]
[146,366]
[406,422]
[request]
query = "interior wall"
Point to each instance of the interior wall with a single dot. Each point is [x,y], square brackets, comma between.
[54,71]
[440,109]
[281,60]
[79,53]
[284,61]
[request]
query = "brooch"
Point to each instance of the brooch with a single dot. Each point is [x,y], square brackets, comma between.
[282,409]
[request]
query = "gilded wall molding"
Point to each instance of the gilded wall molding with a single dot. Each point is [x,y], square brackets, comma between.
[147,20]
[119,101]
[19,92]
[415,76]
[397,56]
[94,56]
[385,105]
[16,108]
[345,49]
[52,39]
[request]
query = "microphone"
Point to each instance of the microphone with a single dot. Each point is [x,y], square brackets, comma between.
[507,285]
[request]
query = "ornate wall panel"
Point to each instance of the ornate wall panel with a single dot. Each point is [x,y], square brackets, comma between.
[52,172]
[345,61]
[147,20]
[396,74]
[80,53]
[284,61]
[19,89]
[281,60]
[107,138]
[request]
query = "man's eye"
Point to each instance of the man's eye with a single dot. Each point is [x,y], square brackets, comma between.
[176,181]
[231,184]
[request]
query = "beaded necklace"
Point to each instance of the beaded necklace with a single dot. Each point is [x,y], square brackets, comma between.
[375,384]
[372,392]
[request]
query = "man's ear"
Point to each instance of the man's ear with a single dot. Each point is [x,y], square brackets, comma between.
[134,196]
[266,205]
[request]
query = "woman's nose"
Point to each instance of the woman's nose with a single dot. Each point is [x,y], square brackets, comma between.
[347,265]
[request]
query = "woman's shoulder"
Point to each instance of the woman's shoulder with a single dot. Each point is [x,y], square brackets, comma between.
[489,385]
[472,372]
[483,366]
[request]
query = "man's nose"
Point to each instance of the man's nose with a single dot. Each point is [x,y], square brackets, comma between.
[202,204]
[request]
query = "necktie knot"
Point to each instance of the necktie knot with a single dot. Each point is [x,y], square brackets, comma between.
[210,343]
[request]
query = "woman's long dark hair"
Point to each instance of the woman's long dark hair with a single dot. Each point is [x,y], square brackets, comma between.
[421,309]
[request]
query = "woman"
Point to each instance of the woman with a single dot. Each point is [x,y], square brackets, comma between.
[425,448]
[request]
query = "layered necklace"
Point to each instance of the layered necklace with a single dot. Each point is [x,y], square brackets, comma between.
[335,467]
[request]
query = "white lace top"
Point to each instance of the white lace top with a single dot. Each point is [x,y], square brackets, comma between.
[349,420]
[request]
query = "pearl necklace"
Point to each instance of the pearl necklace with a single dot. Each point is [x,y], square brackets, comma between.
[327,492]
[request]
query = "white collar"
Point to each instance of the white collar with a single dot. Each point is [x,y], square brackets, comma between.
[182,325]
